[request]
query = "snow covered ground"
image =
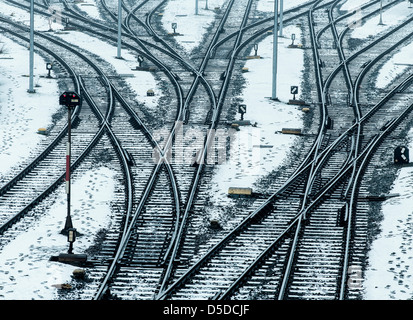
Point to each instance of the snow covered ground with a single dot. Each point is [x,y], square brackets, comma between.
[390,261]
[44,274]
[20,109]
[190,29]
[396,65]
[390,18]
[26,272]
[250,161]
[389,274]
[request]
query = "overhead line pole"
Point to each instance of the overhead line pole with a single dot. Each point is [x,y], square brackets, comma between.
[281,17]
[381,13]
[31,58]
[275,47]
[119,55]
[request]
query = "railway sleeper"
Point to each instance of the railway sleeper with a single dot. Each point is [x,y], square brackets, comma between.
[309,292]
[320,251]
[313,270]
[323,231]
[308,287]
[310,265]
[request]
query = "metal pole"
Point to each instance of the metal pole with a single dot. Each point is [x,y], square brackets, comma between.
[281,17]
[31,63]
[68,223]
[196,6]
[381,12]
[275,46]
[119,28]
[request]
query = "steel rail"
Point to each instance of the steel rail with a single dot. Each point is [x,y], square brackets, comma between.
[201,160]
[357,175]
[311,175]
[133,217]
[252,216]
[125,238]
[262,21]
[354,153]
[69,12]
[337,179]
[343,16]
[105,125]
[295,221]
[325,153]
[298,219]
[215,116]
[367,67]
[353,100]
[60,136]
[162,161]
[341,53]
[361,119]
[354,195]
[74,165]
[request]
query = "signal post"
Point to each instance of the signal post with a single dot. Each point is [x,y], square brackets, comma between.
[70,100]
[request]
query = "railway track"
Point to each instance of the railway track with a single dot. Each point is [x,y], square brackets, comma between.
[305,238]
[42,164]
[305,274]
[188,206]
[120,124]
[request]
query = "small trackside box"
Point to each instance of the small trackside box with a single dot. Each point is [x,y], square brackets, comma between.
[239,192]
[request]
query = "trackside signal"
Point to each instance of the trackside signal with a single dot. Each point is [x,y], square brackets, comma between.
[401,155]
[70,99]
